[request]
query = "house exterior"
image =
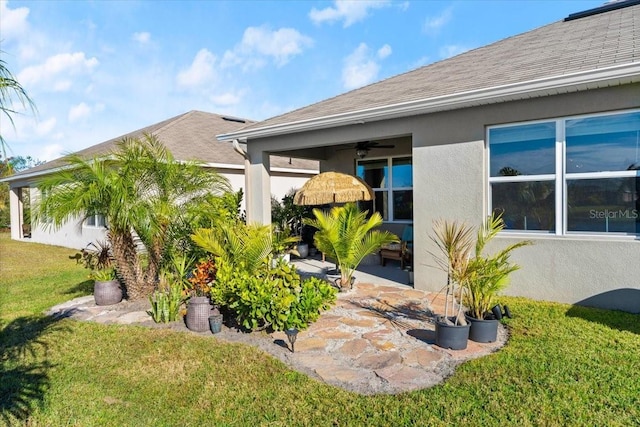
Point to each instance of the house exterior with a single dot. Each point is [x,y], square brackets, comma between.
[543,127]
[189,136]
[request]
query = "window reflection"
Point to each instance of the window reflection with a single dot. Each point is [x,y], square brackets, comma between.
[402,173]
[523,150]
[610,205]
[525,205]
[373,172]
[602,144]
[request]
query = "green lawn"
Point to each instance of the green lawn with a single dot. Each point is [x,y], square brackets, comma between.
[563,365]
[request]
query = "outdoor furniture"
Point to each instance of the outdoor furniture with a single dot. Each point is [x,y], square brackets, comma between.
[402,251]
[26,230]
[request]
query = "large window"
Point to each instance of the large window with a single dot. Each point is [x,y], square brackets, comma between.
[572,175]
[392,183]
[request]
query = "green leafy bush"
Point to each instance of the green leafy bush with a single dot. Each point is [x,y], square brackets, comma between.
[273,298]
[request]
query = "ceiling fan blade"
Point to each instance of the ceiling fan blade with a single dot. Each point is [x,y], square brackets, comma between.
[382,146]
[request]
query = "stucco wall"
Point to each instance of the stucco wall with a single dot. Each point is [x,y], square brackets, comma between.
[449,175]
[450,182]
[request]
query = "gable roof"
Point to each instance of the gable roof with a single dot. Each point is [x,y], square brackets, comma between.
[598,50]
[189,136]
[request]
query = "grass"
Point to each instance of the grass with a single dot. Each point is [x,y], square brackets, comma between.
[563,365]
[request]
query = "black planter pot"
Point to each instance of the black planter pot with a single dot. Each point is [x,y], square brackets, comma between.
[482,330]
[107,293]
[451,336]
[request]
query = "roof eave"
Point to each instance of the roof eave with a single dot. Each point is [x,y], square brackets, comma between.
[584,80]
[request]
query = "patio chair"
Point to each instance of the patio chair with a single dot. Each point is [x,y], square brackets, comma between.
[26,230]
[402,251]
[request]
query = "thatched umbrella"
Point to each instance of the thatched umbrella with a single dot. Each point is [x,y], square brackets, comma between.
[332,187]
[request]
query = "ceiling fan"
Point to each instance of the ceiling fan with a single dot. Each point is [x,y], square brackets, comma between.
[362,148]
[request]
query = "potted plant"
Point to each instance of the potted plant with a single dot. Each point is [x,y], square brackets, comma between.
[288,217]
[347,236]
[284,244]
[106,287]
[487,275]
[199,305]
[454,241]
[97,258]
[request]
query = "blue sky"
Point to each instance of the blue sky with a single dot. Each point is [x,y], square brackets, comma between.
[99,69]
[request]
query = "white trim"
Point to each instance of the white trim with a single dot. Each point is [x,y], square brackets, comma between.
[208,165]
[573,82]
[522,178]
[597,175]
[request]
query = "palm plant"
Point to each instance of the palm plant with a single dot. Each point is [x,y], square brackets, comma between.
[237,243]
[11,89]
[454,241]
[141,190]
[488,275]
[346,235]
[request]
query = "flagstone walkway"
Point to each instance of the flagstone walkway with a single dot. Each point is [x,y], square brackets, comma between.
[376,339]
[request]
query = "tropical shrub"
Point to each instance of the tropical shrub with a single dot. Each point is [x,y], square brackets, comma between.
[454,241]
[237,243]
[199,284]
[274,298]
[487,275]
[346,235]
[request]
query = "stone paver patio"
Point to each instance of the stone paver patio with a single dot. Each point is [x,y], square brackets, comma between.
[376,339]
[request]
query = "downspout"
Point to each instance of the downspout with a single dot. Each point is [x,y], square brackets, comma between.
[247,164]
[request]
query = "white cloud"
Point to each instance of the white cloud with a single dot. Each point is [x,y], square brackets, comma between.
[142,38]
[44,128]
[201,71]
[433,24]
[259,43]
[384,51]
[50,152]
[62,64]
[62,85]
[360,68]
[78,112]
[348,11]
[229,98]
[403,6]
[13,21]
[452,50]
[420,62]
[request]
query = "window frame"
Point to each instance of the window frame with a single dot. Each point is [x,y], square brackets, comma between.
[561,178]
[96,221]
[389,189]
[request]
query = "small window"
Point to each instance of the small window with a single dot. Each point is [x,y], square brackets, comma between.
[95,221]
[392,182]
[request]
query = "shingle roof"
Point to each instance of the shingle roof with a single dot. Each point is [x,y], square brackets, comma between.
[189,136]
[594,42]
